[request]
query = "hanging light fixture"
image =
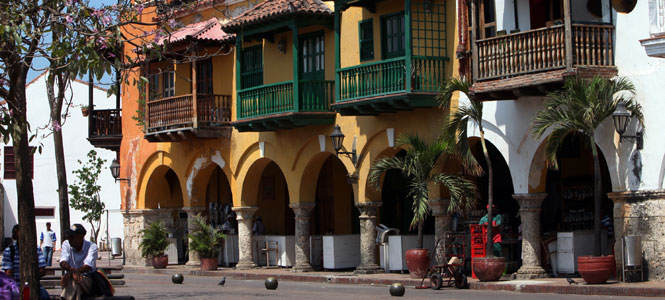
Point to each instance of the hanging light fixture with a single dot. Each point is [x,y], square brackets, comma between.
[337,139]
[115,171]
[621,118]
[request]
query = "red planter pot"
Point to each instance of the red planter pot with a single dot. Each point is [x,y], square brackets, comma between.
[208,264]
[596,269]
[160,262]
[417,261]
[489,268]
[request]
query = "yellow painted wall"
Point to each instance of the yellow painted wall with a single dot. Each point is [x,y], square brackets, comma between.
[292,150]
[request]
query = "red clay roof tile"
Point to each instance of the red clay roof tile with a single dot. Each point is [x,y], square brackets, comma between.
[270,9]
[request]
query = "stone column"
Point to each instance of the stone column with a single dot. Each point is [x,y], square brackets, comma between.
[641,213]
[245,221]
[530,215]
[368,248]
[442,221]
[193,257]
[302,212]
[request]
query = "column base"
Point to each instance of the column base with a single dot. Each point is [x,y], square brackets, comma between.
[193,263]
[531,272]
[302,268]
[245,265]
[368,269]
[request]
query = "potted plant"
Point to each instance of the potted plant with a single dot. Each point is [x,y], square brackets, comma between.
[418,167]
[85,110]
[579,108]
[490,267]
[205,241]
[154,243]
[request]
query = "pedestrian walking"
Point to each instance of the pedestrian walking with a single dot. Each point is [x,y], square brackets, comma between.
[47,241]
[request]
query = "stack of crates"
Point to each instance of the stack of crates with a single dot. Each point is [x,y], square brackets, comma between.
[478,236]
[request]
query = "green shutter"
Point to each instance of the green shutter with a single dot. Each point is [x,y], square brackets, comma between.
[366,35]
[252,67]
[392,40]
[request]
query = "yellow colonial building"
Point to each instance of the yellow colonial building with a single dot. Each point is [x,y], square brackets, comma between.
[235,122]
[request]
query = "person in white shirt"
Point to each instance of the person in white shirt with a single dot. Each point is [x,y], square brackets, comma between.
[78,259]
[47,240]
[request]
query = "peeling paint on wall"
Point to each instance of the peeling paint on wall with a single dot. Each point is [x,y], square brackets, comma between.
[636,161]
[134,147]
[200,163]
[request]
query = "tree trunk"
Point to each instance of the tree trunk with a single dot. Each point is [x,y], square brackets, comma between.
[597,192]
[26,201]
[420,234]
[490,196]
[55,104]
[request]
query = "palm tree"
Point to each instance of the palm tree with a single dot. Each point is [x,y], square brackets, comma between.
[417,166]
[579,108]
[455,130]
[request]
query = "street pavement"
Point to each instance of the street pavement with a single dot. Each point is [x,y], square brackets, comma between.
[158,286]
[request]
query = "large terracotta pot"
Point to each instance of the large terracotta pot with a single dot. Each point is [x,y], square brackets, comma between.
[489,268]
[160,262]
[596,269]
[417,261]
[208,264]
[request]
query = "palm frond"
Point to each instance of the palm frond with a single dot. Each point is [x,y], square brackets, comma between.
[463,192]
[383,165]
[451,86]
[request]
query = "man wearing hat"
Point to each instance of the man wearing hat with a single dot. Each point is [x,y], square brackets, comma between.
[78,259]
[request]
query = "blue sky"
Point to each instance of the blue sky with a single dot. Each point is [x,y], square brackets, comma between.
[40,64]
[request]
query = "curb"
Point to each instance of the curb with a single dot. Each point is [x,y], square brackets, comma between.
[597,290]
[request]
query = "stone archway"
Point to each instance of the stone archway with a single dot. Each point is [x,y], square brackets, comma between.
[561,200]
[265,195]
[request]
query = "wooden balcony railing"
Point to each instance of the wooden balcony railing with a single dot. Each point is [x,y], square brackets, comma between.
[543,49]
[315,96]
[105,122]
[389,76]
[178,112]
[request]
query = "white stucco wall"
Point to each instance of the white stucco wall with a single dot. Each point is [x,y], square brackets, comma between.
[76,147]
[507,122]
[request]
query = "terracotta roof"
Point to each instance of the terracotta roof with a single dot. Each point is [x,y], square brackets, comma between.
[272,9]
[210,30]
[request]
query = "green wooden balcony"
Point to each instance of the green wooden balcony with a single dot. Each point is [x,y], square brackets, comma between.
[387,85]
[276,106]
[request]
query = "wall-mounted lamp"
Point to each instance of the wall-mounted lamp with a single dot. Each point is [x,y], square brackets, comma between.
[337,138]
[621,117]
[281,46]
[115,171]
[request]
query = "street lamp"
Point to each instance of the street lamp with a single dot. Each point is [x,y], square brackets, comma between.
[337,138]
[621,118]
[115,171]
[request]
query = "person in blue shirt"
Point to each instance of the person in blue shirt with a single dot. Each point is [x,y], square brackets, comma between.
[11,261]
[47,240]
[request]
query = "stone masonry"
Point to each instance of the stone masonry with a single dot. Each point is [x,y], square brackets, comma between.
[302,212]
[530,215]
[368,248]
[442,221]
[642,213]
[245,217]
[135,221]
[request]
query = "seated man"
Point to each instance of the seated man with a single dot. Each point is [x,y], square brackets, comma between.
[79,261]
[11,260]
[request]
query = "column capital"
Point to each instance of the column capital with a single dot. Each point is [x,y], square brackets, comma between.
[303,209]
[439,206]
[636,196]
[245,212]
[530,201]
[368,209]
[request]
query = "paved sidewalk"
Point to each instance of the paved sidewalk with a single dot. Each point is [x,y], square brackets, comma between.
[546,285]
